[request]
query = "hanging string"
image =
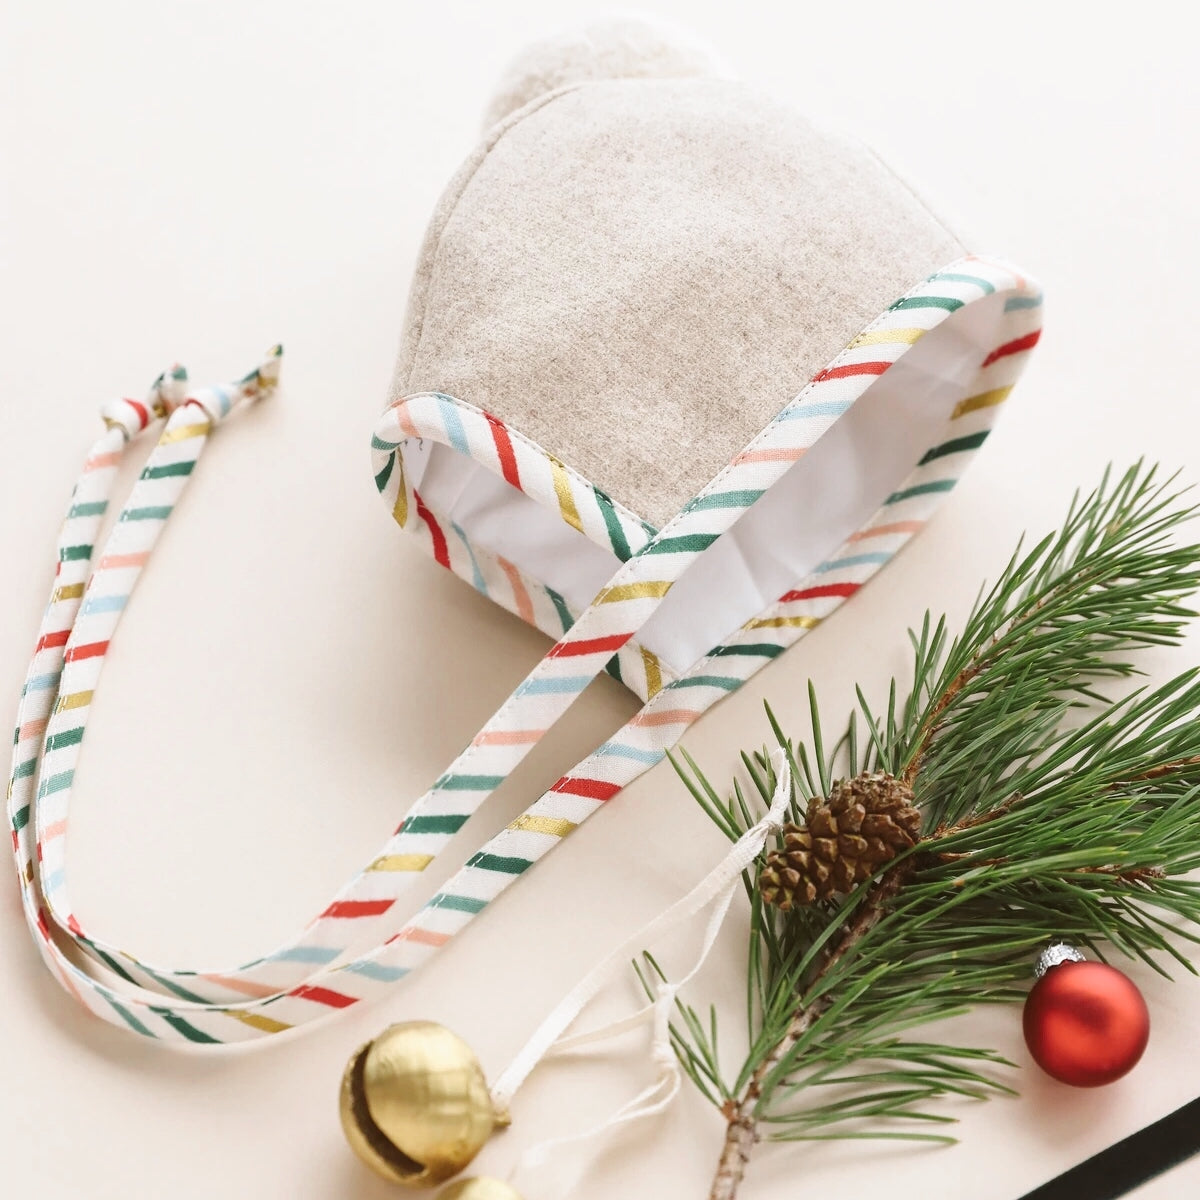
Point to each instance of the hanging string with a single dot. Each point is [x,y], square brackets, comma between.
[542,1173]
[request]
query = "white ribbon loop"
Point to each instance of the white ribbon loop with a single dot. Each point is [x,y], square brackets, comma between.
[536,1169]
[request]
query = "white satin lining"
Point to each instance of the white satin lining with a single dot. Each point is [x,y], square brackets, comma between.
[828,495]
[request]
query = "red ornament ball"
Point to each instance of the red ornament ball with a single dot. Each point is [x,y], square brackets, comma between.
[1086,1023]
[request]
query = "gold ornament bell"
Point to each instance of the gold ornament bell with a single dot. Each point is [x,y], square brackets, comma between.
[478,1188]
[415,1105]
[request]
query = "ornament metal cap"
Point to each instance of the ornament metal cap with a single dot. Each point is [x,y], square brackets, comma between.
[415,1105]
[1054,956]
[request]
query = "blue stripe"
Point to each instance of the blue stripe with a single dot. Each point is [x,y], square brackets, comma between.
[374,970]
[306,954]
[1015,302]
[43,683]
[826,408]
[620,750]
[876,556]
[454,427]
[988,288]
[480,585]
[551,687]
[102,604]
[54,880]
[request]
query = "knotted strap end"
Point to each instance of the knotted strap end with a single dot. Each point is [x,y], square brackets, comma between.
[219,402]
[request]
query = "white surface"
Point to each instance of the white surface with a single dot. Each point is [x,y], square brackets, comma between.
[195,181]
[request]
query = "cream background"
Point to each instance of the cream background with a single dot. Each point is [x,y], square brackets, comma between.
[194,181]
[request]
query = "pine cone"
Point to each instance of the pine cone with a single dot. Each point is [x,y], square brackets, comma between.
[865,822]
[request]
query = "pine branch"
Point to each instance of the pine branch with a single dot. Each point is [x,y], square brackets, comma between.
[1048,811]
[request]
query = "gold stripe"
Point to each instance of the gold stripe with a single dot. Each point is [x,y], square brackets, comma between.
[634,591]
[400,508]
[266,1024]
[562,489]
[653,673]
[69,591]
[184,433]
[882,337]
[401,862]
[983,400]
[785,623]
[74,700]
[555,826]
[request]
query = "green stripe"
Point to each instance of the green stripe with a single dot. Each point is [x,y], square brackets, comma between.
[21,818]
[616,531]
[111,963]
[169,470]
[95,508]
[922,489]
[497,862]
[989,288]
[467,904]
[189,1031]
[152,512]
[379,444]
[56,783]
[181,992]
[689,542]
[719,681]
[613,667]
[468,783]
[129,1018]
[447,824]
[946,302]
[68,737]
[381,480]
[26,769]
[753,649]
[735,499]
[74,553]
[971,442]
[564,613]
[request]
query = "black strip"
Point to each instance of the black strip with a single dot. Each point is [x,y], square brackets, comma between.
[1130,1162]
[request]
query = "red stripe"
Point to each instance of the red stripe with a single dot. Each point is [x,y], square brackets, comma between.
[594,789]
[42,924]
[867,368]
[53,639]
[591,646]
[440,552]
[1015,347]
[324,996]
[508,460]
[357,908]
[140,409]
[74,926]
[91,650]
[826,589]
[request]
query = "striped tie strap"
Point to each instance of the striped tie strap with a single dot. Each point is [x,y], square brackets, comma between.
[645,583]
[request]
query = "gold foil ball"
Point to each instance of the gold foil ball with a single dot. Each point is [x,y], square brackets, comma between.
[478,1188]
[415,1105]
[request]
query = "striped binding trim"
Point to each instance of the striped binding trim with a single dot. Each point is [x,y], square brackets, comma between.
[313,976]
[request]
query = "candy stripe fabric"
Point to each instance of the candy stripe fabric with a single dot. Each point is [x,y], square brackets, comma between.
[361,943]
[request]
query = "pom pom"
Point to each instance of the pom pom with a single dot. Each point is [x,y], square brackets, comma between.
[618,48]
